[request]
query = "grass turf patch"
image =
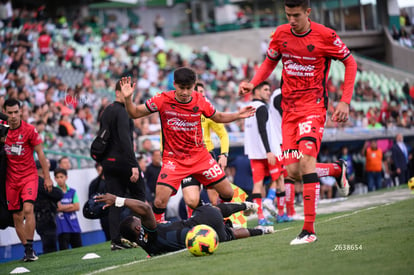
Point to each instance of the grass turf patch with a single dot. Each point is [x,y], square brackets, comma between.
[375,240]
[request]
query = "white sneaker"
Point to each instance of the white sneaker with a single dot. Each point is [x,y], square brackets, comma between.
[297,217]
[251,208]
[267,229]
[342,182]
[304,238]
[268,204]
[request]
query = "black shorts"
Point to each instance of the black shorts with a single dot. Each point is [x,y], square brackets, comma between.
[210,215]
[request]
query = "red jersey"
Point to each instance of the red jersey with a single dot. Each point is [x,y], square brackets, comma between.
[182,134]
[44,43]
[19,148]
[306,61]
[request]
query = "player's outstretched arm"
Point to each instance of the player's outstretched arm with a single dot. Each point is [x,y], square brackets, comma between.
[244,112]
[139,207]
[127,90]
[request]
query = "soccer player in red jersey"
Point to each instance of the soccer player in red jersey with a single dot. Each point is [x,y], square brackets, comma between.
[184,152]
[306,50]
[21,176]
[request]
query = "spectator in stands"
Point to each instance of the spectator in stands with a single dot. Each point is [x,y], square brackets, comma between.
[159,25]
[44,42]
[68,229]
[373,165]
[400,153]
[65,163]
[80,124]
[66,128]
[147,150]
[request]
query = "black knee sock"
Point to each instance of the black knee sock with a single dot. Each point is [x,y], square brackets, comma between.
[227,209]
[255,232]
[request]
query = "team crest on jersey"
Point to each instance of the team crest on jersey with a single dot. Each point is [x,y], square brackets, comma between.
[195,109]
[20,137]
[163,176]
[284,44]
[310,47]
[272,53]
[172,106]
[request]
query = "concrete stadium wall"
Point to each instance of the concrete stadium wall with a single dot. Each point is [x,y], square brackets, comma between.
[398,56]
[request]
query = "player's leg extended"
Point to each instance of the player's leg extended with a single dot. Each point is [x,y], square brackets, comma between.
[224,190]
[191,196]
[162,195]
[213,196]
[30,222]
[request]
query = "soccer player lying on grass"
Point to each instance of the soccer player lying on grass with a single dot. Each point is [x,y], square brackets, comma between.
[158,239]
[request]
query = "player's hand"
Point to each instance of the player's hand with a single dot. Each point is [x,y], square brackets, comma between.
[341,113]
[135,174]
[245,88]
[271,158]
[127,86]
[247,111]
[48,183]
[222,161]
[107,198]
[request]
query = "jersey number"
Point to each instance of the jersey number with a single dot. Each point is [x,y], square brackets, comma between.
[213,172]
[305,127]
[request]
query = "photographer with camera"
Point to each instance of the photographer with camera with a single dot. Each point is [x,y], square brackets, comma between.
[21,176]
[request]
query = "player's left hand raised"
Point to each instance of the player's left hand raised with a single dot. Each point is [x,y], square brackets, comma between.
[341,112]
[127,86]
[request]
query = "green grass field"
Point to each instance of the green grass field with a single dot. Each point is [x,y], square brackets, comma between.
[375,240]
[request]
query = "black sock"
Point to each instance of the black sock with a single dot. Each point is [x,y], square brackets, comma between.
[227,209]
[29,244]
[255,231]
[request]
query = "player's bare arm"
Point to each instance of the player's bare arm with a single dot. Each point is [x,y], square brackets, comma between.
[48,183]
[244,112]
[341,112]
[127,90]
[142,209]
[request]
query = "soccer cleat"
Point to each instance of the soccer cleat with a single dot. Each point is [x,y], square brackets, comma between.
[304,237]
[269,229]
[268,204]
[265,222]
[251,208]
[30,255]
[297,217]
[342,181]
[128,243]
[120,246]
[283,218]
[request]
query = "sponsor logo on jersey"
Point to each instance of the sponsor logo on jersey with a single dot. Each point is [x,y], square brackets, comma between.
[293,68]
[182,125]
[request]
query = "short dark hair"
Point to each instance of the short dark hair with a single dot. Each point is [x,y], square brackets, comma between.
[10,102]
[305,4]
[118,85]
[185,76]
[258,87]
[60,171]
[127,230]
[198,84]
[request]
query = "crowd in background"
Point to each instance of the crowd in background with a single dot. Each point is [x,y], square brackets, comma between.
[405,33]
[58,108]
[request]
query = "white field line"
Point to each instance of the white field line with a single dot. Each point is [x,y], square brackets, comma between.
[284,229]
